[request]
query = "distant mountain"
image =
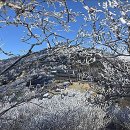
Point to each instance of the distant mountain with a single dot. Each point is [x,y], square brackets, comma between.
[41,70]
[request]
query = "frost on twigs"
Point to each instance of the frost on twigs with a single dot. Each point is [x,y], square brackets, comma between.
[2,3]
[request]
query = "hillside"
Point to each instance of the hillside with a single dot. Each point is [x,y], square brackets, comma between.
[63,71]
[42,69]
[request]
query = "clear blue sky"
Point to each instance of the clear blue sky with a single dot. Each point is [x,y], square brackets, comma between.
[10,35]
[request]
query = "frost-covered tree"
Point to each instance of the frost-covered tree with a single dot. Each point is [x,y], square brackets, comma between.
[105,28]
[110,31]
[110,26]
[40,19]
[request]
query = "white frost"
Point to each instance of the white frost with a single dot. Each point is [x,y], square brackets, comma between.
[122,20]
[86,7]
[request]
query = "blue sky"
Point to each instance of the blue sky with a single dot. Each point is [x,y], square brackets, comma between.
[10,35]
